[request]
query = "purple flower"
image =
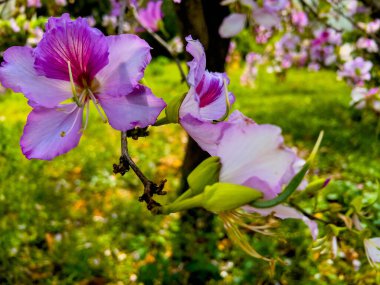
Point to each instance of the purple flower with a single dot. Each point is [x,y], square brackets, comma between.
[357,71]
[367,44]
[255,156]
[300,19]
[206,100]
[151,15]
[115,8]
[76,61]
[372,249]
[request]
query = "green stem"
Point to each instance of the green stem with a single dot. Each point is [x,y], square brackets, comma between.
[161,122]
[196,201]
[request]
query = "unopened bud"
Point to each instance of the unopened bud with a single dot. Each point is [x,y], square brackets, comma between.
[172,108]
[221,197]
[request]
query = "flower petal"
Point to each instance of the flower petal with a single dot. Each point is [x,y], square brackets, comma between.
[285,212]
[197,66]
[17,72]
[206,134]
[137,109]
[254,155]
[129,55]
[76,42]
[265,18]
[43,133]
[232,25]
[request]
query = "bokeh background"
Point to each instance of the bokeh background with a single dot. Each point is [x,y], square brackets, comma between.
[72,221]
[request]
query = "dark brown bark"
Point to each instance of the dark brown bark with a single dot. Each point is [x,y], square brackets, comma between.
[197,241]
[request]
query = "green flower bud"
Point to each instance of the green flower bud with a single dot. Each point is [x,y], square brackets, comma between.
[206,173]
[172,108]
[221,197]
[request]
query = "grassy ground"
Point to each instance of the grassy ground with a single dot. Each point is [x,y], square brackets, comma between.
[71,220]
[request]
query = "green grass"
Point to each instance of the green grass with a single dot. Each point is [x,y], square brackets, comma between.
[71,220]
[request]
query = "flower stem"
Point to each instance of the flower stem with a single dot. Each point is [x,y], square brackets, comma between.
[161,41]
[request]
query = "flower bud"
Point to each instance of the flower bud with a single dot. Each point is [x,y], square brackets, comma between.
[221,197]
[206,173]
[172,108]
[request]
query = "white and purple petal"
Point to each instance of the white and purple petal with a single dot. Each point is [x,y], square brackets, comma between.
[254,156]
[17,73]
[128,57]
[140,108]
[50,132]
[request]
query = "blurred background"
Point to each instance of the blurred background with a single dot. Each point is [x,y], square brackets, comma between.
[72,221]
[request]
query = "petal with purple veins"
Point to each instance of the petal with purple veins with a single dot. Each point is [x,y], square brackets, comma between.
[76,42]
[17,72]
[50,132]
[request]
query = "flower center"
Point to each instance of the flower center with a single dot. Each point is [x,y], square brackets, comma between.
[86,94]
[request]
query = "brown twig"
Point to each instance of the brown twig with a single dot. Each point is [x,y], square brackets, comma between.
[126,162]
[161,41]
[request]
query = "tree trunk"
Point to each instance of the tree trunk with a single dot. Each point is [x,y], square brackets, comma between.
[197,240]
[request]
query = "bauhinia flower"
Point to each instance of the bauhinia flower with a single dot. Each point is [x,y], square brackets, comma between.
[252,162]
[75,61]
[357,71]
[151,16]
[208,99]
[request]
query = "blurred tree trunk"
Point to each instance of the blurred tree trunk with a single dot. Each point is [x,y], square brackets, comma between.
[197,241]
[375,7]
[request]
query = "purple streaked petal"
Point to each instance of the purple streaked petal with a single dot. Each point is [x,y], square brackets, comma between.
[42,137]
[128,57]
[212,98]
[137,109]
[232,25]
[285,212]
[17,72]
[76,42]
[254,156]
[197,66]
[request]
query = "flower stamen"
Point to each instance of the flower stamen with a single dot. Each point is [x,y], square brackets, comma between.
[73,88]
[96,106]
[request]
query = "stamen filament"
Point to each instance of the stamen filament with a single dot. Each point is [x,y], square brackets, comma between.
[63,133]
[87,116]
[96,106]
[73,88]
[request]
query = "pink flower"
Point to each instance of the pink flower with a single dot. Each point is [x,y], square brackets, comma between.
[76,61]
[151,15]
[367,44]
[232,25]
[299,19]
[357,71]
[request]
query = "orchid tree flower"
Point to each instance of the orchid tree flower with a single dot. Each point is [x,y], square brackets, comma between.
[151,16]
[357,71]
[207,101]
[76,62]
